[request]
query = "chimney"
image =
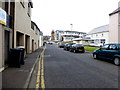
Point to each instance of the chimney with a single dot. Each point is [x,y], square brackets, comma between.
[118,4]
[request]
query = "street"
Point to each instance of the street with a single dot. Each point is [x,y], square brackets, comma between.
[64,69]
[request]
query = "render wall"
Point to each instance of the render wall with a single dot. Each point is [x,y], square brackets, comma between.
[22,21]
[113,29]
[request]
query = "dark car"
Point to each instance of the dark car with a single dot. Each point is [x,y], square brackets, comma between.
[77,48]
[67,46]
[108,52]
[61,45]
[50,43]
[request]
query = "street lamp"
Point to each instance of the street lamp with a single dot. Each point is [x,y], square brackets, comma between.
[71,30]
[71,26]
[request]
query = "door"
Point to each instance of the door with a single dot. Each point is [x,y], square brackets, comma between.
[113,50]
[103,53]
[6,45]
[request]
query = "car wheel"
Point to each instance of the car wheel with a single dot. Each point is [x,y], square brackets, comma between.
[116,61]
[94,56]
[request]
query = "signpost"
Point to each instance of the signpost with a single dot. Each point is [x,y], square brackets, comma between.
[2,16]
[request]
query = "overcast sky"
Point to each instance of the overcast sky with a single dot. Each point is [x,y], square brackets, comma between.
[85,15]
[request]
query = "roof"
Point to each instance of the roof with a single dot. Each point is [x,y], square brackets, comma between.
[74,31]
[59,31]
[100,29]
[35,25]
[114,12]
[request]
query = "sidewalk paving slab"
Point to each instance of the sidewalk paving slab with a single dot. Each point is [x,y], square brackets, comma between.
[13,77]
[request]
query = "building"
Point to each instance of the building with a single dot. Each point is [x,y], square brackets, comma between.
[22,25]
[70,35]
[114,26]
[34,38]
[58,35]
[96,37]
[52,35]
[17,29]
[41,39]
[6,31]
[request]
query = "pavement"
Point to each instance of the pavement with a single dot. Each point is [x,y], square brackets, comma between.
[13,78]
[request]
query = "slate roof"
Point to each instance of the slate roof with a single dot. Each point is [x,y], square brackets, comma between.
[104,28]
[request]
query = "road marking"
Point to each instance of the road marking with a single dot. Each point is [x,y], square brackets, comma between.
[40,74]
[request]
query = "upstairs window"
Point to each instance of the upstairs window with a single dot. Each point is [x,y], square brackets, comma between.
[29,10]
[22,3]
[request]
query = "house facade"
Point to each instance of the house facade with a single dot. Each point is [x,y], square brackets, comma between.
[17,29]
[96,37]
[70,35]
[114,29]
[6,31]
[58,35]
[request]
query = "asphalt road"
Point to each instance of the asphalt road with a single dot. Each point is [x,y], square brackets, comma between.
[64,69]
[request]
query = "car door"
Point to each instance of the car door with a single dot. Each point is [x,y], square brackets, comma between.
[113,50]
[103,51]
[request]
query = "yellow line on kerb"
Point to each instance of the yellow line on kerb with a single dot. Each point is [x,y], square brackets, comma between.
[40,74]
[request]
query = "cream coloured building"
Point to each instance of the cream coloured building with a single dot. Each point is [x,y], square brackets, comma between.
[114,29]
[19,29]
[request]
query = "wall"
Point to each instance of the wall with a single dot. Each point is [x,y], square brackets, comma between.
[113,28]
[22,21]
[1,48]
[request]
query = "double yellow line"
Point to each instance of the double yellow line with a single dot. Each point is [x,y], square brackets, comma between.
[40,82]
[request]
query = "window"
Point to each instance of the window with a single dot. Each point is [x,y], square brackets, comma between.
[32,26]
[22,3]
[92,41]
[102,34]
[105,47]
[96,35]
[102,41]
[113,47]
[29,10]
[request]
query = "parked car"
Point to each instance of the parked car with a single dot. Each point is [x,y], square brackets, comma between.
[77,48]
[108,52]
[67,46]
[50,43]
[61,45]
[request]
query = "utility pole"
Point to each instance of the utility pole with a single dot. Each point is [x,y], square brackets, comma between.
[71,30]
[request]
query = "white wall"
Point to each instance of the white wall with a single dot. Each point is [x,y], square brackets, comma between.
[99,36]
[113,29]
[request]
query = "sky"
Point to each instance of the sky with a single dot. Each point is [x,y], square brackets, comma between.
[85,15]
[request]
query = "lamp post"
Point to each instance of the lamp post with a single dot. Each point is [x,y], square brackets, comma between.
[71,30]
